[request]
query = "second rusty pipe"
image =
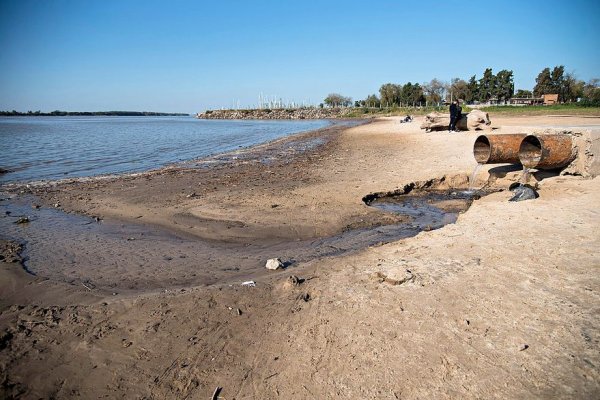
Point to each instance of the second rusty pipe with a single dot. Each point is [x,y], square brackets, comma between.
[498,149]
[546,151]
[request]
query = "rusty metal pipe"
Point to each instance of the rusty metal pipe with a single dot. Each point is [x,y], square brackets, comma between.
[498,149]
[546,151]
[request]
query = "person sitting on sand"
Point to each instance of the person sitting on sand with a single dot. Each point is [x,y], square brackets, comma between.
[455,112]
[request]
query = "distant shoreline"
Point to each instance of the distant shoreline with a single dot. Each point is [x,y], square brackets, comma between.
[91,114]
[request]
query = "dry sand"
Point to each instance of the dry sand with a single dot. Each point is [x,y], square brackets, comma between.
[502,304]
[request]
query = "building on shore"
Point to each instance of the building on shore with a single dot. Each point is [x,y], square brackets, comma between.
[545,99]
[550,99]
[526,101]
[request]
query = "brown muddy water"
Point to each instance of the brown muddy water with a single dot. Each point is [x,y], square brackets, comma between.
[126,257]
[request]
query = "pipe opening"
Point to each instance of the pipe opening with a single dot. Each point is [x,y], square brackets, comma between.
[482,149]
[530,151]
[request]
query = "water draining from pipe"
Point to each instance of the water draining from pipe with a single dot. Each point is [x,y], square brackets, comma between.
[473,176]
[526,175]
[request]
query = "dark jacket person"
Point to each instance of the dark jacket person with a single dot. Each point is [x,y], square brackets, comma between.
[455,112]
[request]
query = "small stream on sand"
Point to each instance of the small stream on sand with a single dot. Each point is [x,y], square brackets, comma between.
[427,210]
[130,257]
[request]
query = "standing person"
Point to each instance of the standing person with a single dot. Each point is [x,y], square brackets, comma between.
[455,112]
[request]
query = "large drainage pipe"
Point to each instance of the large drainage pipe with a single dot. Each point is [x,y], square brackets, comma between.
[498,149]
[546,151]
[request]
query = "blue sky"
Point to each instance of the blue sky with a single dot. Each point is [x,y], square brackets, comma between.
[187,56]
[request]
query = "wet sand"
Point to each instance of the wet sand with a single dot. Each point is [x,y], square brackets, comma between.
[501,304]
[166,228]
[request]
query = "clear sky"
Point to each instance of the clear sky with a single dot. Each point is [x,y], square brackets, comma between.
[187,56]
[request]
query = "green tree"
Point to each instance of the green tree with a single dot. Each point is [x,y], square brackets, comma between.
[473,90]
[572,88]
[417,97]
[523,93]
[390,94]
[372,101]
[505,87]
[591,93]
[412,94]
[406,93]
[566,86]
[487,85]
[543,83]
[558,81]
[337,100]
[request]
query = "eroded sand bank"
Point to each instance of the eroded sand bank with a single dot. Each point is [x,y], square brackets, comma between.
[502,304]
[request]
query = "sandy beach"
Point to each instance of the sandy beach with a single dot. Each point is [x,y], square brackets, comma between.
[503,303]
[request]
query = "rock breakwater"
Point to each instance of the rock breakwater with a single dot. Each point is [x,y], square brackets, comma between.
[282,113]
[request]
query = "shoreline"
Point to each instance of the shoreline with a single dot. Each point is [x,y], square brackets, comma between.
[126,230]
[250,150]
[168,163]
[260,152]
[514,283]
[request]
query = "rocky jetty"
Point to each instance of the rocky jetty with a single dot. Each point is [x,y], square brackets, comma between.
[281,113]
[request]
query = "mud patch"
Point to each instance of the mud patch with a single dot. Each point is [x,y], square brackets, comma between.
[430,209]
[428,205]
[10,251]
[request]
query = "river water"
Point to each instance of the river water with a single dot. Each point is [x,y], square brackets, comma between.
[49,148]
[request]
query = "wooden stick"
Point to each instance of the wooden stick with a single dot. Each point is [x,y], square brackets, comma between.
[272,375]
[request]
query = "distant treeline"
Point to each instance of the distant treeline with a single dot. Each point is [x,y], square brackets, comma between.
[59,113]
[490,88]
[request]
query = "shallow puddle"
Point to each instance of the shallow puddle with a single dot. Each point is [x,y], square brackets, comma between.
[427,210]
[123,257]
